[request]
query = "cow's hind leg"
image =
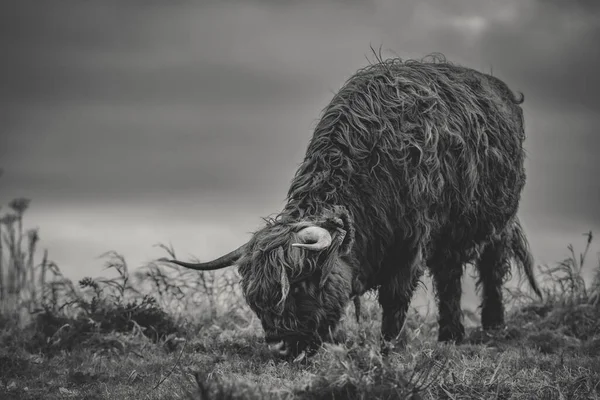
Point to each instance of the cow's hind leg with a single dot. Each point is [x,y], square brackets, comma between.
[447,274]
[493,265]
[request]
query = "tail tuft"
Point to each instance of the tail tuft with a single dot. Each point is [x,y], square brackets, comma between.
[523,257]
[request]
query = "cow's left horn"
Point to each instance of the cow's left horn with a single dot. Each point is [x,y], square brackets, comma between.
[221,262]
[313,238]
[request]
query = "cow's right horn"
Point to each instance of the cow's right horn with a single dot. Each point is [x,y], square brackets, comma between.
[221,262]
[313,238]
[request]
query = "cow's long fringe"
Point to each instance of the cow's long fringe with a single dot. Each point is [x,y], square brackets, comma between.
[273,248]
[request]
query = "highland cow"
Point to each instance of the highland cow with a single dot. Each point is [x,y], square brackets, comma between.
[413,164]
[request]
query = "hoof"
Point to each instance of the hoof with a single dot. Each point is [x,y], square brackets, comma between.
[393,346]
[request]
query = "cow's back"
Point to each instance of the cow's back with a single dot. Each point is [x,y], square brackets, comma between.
[416,152]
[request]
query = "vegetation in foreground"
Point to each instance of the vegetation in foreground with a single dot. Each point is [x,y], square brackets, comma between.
[169,333]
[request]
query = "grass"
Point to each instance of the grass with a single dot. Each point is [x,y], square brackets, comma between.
[166,333]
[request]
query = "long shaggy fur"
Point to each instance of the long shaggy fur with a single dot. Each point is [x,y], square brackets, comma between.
[411,149]
[412,162]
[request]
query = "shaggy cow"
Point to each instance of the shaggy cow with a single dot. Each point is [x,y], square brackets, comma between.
[413,163]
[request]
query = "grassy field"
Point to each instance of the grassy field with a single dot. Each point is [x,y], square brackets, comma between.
[195,338]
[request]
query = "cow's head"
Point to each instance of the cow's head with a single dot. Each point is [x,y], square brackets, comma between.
[296,278]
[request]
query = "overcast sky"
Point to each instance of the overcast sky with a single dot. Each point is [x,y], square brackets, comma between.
[133,123]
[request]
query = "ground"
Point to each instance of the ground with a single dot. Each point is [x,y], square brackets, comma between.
[545,352]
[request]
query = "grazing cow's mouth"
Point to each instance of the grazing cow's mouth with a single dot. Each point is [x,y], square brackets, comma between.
[292,346]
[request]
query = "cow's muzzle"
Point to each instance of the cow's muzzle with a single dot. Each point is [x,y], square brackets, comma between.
[279,348]
[291,346]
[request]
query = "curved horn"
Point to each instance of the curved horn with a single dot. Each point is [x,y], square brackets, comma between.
[221,262]
[313,238]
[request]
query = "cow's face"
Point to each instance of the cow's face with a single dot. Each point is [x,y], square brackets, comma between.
[309,313]
[295,279]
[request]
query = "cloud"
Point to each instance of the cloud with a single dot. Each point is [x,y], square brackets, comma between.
[553,51]
[547,49]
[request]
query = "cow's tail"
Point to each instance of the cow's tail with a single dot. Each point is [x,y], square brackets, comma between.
[522,255]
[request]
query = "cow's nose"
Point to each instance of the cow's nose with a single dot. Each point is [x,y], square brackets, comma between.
[279,348]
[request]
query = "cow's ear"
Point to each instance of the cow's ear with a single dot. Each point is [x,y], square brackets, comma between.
[341,226]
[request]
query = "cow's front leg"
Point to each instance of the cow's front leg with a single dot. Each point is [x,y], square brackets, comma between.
[395,298]
[447,276]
